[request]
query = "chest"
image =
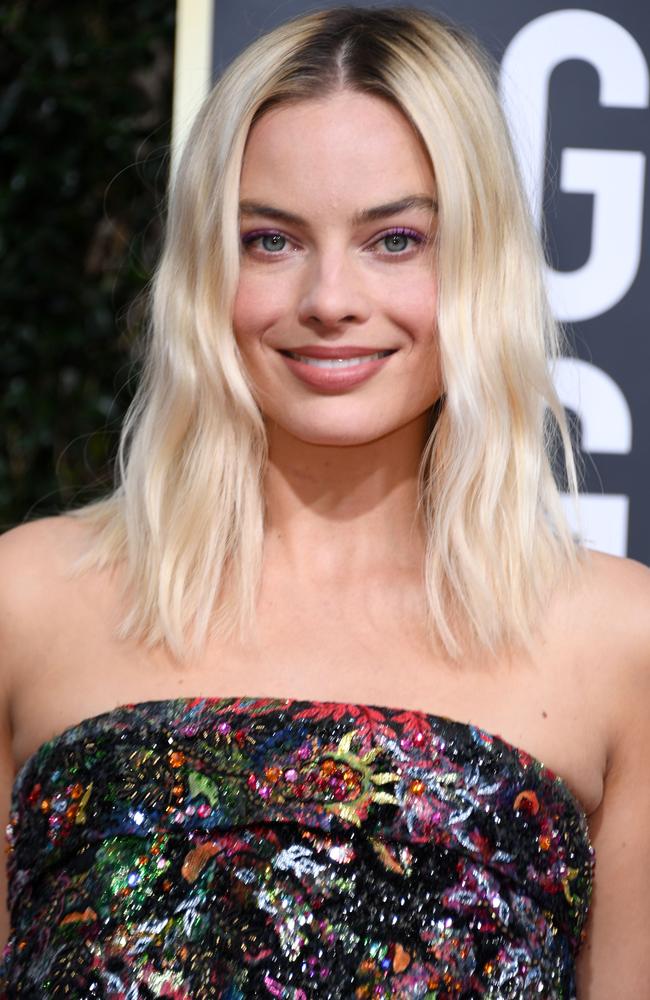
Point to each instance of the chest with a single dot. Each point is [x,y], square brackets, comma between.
[329,651]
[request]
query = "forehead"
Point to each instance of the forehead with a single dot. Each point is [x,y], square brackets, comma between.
[348,147]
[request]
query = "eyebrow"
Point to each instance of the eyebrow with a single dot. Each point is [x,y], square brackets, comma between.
[366,215]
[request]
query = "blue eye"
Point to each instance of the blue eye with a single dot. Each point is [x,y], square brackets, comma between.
[396,241]
[272,241]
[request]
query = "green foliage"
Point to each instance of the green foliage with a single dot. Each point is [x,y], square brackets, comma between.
[85,115]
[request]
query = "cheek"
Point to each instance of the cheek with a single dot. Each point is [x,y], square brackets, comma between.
[415,309]
[250,311]
[259,304]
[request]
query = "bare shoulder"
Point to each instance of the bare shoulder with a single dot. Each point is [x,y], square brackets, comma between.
[37,549]
[46,535]
[610,621]
[614,600]
[614,597]
[35,563]
[601,572]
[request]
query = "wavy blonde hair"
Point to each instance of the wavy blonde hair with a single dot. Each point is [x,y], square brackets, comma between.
[186,517]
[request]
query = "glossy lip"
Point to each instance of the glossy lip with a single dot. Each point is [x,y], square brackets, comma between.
[322,351]
[334,379]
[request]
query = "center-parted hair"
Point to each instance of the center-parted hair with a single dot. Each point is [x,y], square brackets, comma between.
[185,521]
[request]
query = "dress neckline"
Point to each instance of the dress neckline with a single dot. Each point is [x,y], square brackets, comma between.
[339,709]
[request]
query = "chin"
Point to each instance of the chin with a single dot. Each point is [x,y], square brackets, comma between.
[342,437]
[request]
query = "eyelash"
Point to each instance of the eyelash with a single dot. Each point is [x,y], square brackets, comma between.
[249,238]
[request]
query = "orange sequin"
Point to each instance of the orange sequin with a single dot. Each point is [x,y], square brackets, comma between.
[527,801]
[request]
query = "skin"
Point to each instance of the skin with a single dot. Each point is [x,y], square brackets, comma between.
[341,606]
[351,457]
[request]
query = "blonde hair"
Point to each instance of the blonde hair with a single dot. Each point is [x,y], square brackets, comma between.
[186,517]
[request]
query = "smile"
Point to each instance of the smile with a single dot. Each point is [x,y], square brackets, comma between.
[335,374]
[337,362]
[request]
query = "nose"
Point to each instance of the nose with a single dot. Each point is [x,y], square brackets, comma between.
[333,293]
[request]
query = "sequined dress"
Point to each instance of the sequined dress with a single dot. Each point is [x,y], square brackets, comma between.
[196,848]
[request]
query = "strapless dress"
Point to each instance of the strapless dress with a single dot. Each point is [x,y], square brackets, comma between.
[198,848]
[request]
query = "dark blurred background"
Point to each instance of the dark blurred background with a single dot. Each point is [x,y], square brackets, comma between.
[85,119]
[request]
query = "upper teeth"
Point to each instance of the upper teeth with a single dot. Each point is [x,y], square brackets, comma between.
[337,362]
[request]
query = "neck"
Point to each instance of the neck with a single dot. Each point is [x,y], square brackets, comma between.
[343,512]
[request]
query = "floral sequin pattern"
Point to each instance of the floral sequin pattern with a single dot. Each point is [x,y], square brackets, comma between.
[197,848]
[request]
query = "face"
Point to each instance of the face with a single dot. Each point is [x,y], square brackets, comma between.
[335,309]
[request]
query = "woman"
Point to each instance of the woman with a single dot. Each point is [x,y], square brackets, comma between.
[270,669]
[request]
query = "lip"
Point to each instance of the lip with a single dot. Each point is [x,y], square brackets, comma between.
[334,379]
[322,351]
